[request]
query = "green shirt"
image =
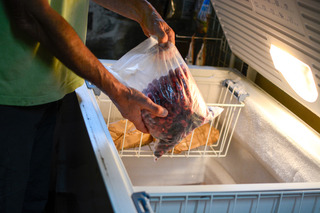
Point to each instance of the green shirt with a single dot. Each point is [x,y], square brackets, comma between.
[29,74]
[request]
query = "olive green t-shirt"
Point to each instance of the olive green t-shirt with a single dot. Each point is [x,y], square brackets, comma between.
[29,74]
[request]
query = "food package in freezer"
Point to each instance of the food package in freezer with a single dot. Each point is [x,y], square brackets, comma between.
[162,75]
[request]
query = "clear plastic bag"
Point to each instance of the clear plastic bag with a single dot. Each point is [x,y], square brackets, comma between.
[162,75]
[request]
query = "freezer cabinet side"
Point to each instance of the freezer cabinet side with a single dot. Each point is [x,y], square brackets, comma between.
[267,202]
[114,175]
[266,198]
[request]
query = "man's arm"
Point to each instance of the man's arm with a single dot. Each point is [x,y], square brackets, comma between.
[37,19]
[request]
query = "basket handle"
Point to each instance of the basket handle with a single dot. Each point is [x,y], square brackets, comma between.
[95,89]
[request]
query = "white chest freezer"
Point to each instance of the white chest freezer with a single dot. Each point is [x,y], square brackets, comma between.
[271,164]
[265,160]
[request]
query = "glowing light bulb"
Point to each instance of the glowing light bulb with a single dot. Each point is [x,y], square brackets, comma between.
[297,74]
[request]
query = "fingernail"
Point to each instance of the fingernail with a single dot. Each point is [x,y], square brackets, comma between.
[165,112]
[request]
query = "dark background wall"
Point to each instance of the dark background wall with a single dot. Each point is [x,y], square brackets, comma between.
[110,35]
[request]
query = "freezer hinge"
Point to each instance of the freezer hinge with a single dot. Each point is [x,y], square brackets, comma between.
[236,88]
[142,203]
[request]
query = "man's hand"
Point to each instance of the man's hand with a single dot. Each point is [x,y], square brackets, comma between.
[131,102]
[153,24]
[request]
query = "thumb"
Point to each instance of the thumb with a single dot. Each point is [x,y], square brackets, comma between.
[162,112]
[156,110]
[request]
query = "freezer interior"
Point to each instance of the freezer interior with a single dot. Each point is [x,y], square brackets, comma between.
[269,160]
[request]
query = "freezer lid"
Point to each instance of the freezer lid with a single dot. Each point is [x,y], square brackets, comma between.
[255,28]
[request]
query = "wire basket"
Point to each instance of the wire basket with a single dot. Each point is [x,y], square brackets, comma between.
[225,123]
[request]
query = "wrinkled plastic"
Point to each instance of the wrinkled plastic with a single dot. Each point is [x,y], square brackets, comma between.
[162,75]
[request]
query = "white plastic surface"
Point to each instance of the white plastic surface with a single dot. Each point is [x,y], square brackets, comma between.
[117,182]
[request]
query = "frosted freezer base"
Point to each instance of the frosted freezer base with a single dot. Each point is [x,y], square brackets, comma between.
[257,173]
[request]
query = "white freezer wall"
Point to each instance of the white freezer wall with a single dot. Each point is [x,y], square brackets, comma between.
[279,140]
[287,147]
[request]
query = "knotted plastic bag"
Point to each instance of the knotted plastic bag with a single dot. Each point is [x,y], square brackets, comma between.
[161,74]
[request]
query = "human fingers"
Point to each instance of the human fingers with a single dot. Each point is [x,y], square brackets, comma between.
[146,103]
[155,109]
[138,123]
[171,35]
[156,26]
[165,33]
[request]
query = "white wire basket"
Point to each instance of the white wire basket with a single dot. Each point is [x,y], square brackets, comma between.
[225,123]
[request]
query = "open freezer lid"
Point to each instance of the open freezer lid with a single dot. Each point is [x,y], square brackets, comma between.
[252,27]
